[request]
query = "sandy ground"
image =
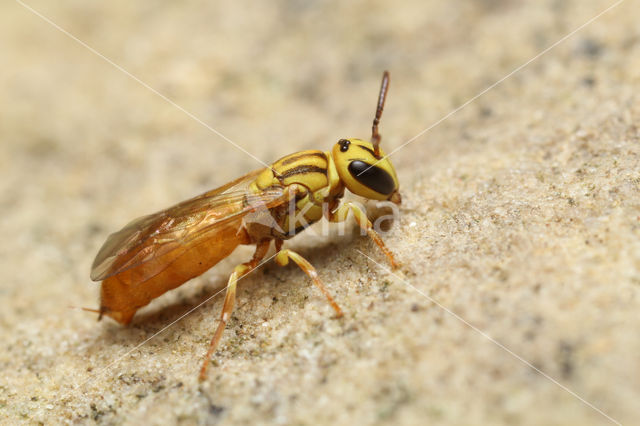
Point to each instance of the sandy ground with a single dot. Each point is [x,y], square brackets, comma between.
[521,212]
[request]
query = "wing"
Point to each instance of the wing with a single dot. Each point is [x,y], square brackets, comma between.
[180,227]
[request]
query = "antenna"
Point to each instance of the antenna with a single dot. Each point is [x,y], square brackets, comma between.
[375,136]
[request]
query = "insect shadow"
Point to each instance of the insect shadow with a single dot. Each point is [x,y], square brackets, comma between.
[160,314]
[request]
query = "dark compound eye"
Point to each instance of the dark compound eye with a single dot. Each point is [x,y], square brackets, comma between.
[372,177]
[344,145]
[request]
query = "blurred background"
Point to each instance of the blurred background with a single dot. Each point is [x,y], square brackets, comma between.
[104,116]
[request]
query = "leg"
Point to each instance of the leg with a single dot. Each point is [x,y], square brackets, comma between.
[230,298]
[340,215]
[283,257]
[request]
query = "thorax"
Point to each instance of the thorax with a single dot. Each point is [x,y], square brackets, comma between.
[316,177]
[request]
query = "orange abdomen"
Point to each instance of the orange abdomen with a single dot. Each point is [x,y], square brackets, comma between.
[123,294]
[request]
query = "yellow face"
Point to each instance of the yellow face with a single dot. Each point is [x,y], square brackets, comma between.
[354,160]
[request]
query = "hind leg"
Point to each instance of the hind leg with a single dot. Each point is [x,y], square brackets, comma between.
[230,299]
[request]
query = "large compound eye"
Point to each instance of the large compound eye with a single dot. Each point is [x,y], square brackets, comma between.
[372,177]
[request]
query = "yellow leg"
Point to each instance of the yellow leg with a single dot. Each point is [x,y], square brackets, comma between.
[230,299]
[282,259]
[340,215]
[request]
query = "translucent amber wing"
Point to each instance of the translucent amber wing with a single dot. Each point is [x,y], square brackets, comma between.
[180,228]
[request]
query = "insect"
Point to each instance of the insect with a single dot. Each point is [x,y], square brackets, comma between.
[156,253]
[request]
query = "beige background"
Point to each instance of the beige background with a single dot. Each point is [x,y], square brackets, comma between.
[521,212]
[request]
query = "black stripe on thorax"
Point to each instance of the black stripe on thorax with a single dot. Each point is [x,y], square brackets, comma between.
[301,170]
[302,155]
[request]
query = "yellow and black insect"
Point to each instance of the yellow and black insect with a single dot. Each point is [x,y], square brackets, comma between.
[159,252]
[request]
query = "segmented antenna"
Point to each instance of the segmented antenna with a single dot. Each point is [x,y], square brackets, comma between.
[375,136]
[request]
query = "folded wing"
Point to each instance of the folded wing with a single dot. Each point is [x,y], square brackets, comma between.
[160,238]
